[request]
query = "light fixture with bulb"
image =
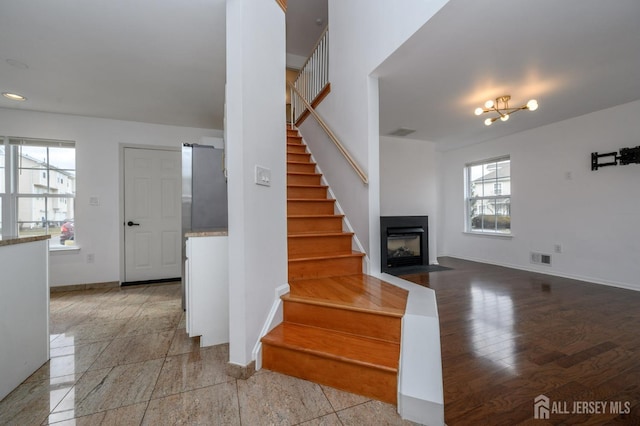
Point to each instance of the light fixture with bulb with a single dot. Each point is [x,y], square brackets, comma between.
[501,106]
[14,96]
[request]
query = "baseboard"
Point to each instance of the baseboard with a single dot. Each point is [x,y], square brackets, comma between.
[241,371]
[273,319]
[591,280]
[158,281]
[78,287]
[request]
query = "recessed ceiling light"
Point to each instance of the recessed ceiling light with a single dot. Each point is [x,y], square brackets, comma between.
[13,96]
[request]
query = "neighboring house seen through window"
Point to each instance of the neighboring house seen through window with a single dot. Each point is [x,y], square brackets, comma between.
[488,196]
[37,189]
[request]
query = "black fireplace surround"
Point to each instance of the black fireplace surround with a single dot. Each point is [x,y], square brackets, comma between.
[404,241]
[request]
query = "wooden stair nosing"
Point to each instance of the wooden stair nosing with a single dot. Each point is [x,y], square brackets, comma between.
[329,304]
[301,162]
[297,185]
[314,216]
[322,234]
[303,173]
[351,254]
[311,200]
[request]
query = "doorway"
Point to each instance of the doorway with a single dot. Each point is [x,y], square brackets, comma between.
[152,222]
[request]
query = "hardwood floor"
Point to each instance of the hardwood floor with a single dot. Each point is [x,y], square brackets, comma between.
[508,336]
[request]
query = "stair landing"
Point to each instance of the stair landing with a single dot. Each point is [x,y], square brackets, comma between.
[357,292]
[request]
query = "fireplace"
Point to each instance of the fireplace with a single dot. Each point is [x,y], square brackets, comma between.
[404,241]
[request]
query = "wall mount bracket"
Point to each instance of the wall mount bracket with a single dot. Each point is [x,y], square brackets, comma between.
[626,156]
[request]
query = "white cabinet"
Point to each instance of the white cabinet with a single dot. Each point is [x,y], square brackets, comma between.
[24,309]
[207,289]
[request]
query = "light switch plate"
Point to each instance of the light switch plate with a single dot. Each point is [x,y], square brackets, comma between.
[263,176]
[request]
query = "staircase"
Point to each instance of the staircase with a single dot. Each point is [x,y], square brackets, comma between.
[341,328]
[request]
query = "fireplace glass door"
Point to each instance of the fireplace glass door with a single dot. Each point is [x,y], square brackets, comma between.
[404,246]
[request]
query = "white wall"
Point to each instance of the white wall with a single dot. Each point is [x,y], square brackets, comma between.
[362,34]
[255,127]
[408,182]
[98,174]
[557,199]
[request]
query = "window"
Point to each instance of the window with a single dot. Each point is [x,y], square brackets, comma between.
[33,193]
[488,196]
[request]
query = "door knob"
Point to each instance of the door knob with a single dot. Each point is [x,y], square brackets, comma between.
[130,223]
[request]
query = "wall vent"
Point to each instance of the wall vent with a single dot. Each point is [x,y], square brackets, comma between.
[540,258]
[401,131]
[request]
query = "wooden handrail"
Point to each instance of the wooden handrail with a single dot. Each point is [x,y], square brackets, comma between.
[331,135]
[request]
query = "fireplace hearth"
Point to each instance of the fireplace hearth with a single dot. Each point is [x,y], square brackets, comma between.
[404,241]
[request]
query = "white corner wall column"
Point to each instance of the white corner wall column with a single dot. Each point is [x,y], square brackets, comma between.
[255,129]
[373,131]
[409,183]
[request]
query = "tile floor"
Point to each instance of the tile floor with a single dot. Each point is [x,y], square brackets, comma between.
[122,357]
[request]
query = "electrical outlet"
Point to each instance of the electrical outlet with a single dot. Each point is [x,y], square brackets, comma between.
[90,257]
[263,176]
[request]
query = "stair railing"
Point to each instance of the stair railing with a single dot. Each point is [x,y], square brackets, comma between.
[313,77]
[332,136]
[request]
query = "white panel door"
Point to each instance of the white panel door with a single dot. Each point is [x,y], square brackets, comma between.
[152,235]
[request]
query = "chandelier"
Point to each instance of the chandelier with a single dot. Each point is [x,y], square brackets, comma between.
[501,107]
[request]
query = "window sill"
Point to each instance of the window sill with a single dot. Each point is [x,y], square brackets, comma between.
[63,249]
[488,234]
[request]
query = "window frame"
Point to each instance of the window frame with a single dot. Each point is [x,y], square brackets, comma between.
[10,192]
[469,200]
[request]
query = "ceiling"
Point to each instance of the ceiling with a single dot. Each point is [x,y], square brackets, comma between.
[573,56]
[139,61]
[145,60]
[306,19]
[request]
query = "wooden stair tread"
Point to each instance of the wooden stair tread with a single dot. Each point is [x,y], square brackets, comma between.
[297,185]
[303,173]
[348,348]
[314,216]
[302,258]
[320,234]
[300,162]
[313,200]
[360,292]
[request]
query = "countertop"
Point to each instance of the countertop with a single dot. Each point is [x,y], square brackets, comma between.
[22,240]
[220,232]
